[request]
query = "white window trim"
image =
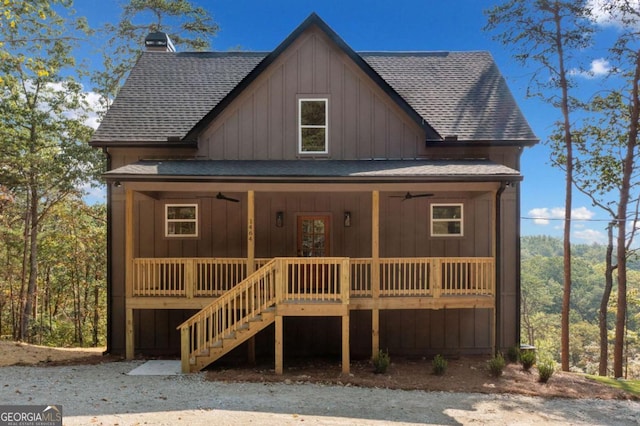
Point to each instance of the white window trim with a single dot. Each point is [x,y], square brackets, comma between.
[460,219]
[325,126]
[167,220]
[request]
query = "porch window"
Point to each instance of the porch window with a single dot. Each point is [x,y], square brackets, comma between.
[446,220]
[181,220]
[313,132]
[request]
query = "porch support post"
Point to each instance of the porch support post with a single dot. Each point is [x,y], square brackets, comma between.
[279,349]
[497,260]
[345,344]
[494,313]
[251,261]
[128,262]
[251,241]
[129,344]
[185,350]
[375,272]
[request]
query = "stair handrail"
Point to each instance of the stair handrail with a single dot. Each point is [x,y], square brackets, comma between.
[193,341]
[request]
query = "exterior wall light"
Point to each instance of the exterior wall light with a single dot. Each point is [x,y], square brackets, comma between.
[347,219]
[279,219]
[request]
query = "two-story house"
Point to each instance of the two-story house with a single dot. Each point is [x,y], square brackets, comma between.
[312,200]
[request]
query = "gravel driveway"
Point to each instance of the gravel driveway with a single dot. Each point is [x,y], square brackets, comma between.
[105,394]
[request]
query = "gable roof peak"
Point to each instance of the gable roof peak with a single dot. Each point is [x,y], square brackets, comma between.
[314,19]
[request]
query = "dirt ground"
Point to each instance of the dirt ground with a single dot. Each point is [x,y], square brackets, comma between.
[17,353]
[468,374]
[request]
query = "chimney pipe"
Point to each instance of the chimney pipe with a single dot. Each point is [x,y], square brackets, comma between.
[159,42]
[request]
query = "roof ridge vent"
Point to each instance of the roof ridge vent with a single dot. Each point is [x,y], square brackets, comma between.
[158,42]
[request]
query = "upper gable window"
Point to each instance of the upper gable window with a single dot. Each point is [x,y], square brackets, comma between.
[314,126]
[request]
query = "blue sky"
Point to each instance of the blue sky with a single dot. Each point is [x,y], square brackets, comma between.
[411,25]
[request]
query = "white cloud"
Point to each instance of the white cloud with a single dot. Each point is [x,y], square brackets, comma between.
[582,213]
[599,68]
[89,114]
[544,215]
[603,15]
[590,236]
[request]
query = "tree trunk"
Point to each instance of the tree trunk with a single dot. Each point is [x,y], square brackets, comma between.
[566,293]
[27,311]
[96,314]
[604,303]
[621,250]
[19,332]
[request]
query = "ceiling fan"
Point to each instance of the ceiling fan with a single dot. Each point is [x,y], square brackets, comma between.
[409,196]
[221,196]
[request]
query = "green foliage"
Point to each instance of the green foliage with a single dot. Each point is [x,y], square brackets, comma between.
[496,365]
[513,354]
[439,365]
[631,386]
[546,368]
[527,359]
[189,26]
[540,307]
[44,155]
[381,362]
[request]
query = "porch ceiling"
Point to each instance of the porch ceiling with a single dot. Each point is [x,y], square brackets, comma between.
[288,171]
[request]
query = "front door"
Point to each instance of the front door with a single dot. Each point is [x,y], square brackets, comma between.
[313,236]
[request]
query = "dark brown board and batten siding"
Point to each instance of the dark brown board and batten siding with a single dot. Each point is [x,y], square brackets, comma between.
[262,123]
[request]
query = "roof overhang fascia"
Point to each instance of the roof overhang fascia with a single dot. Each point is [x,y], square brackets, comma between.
[144,144]
[313,19]
[481,143]
[313,179]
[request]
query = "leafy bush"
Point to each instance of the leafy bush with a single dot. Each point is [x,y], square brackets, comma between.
[439,365]
[496,365]
[546,368]
[513,354]
[527,359]
[381,362]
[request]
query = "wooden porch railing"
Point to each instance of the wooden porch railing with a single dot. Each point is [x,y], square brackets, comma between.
[188,277]
[425,276]
[319,278]
[316,278]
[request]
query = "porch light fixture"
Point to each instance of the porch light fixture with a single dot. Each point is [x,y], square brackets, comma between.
[279,219]
[347,219]
[117,184]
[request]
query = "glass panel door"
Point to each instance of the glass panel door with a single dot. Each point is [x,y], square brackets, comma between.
[313,236]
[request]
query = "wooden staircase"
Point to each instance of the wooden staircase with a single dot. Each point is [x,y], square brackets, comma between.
[227,343]
[230,320]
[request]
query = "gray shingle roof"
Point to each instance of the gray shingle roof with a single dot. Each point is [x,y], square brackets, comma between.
[287,169]
[456,93]
[166,94]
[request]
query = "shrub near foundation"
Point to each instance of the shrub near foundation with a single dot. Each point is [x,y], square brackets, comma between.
[513,354]
[546,368]
[496,365]
[439,365]
[381,362]
[527,359]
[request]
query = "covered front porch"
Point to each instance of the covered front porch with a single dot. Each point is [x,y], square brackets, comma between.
[223,287]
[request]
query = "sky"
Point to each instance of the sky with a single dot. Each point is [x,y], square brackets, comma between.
[415,25]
